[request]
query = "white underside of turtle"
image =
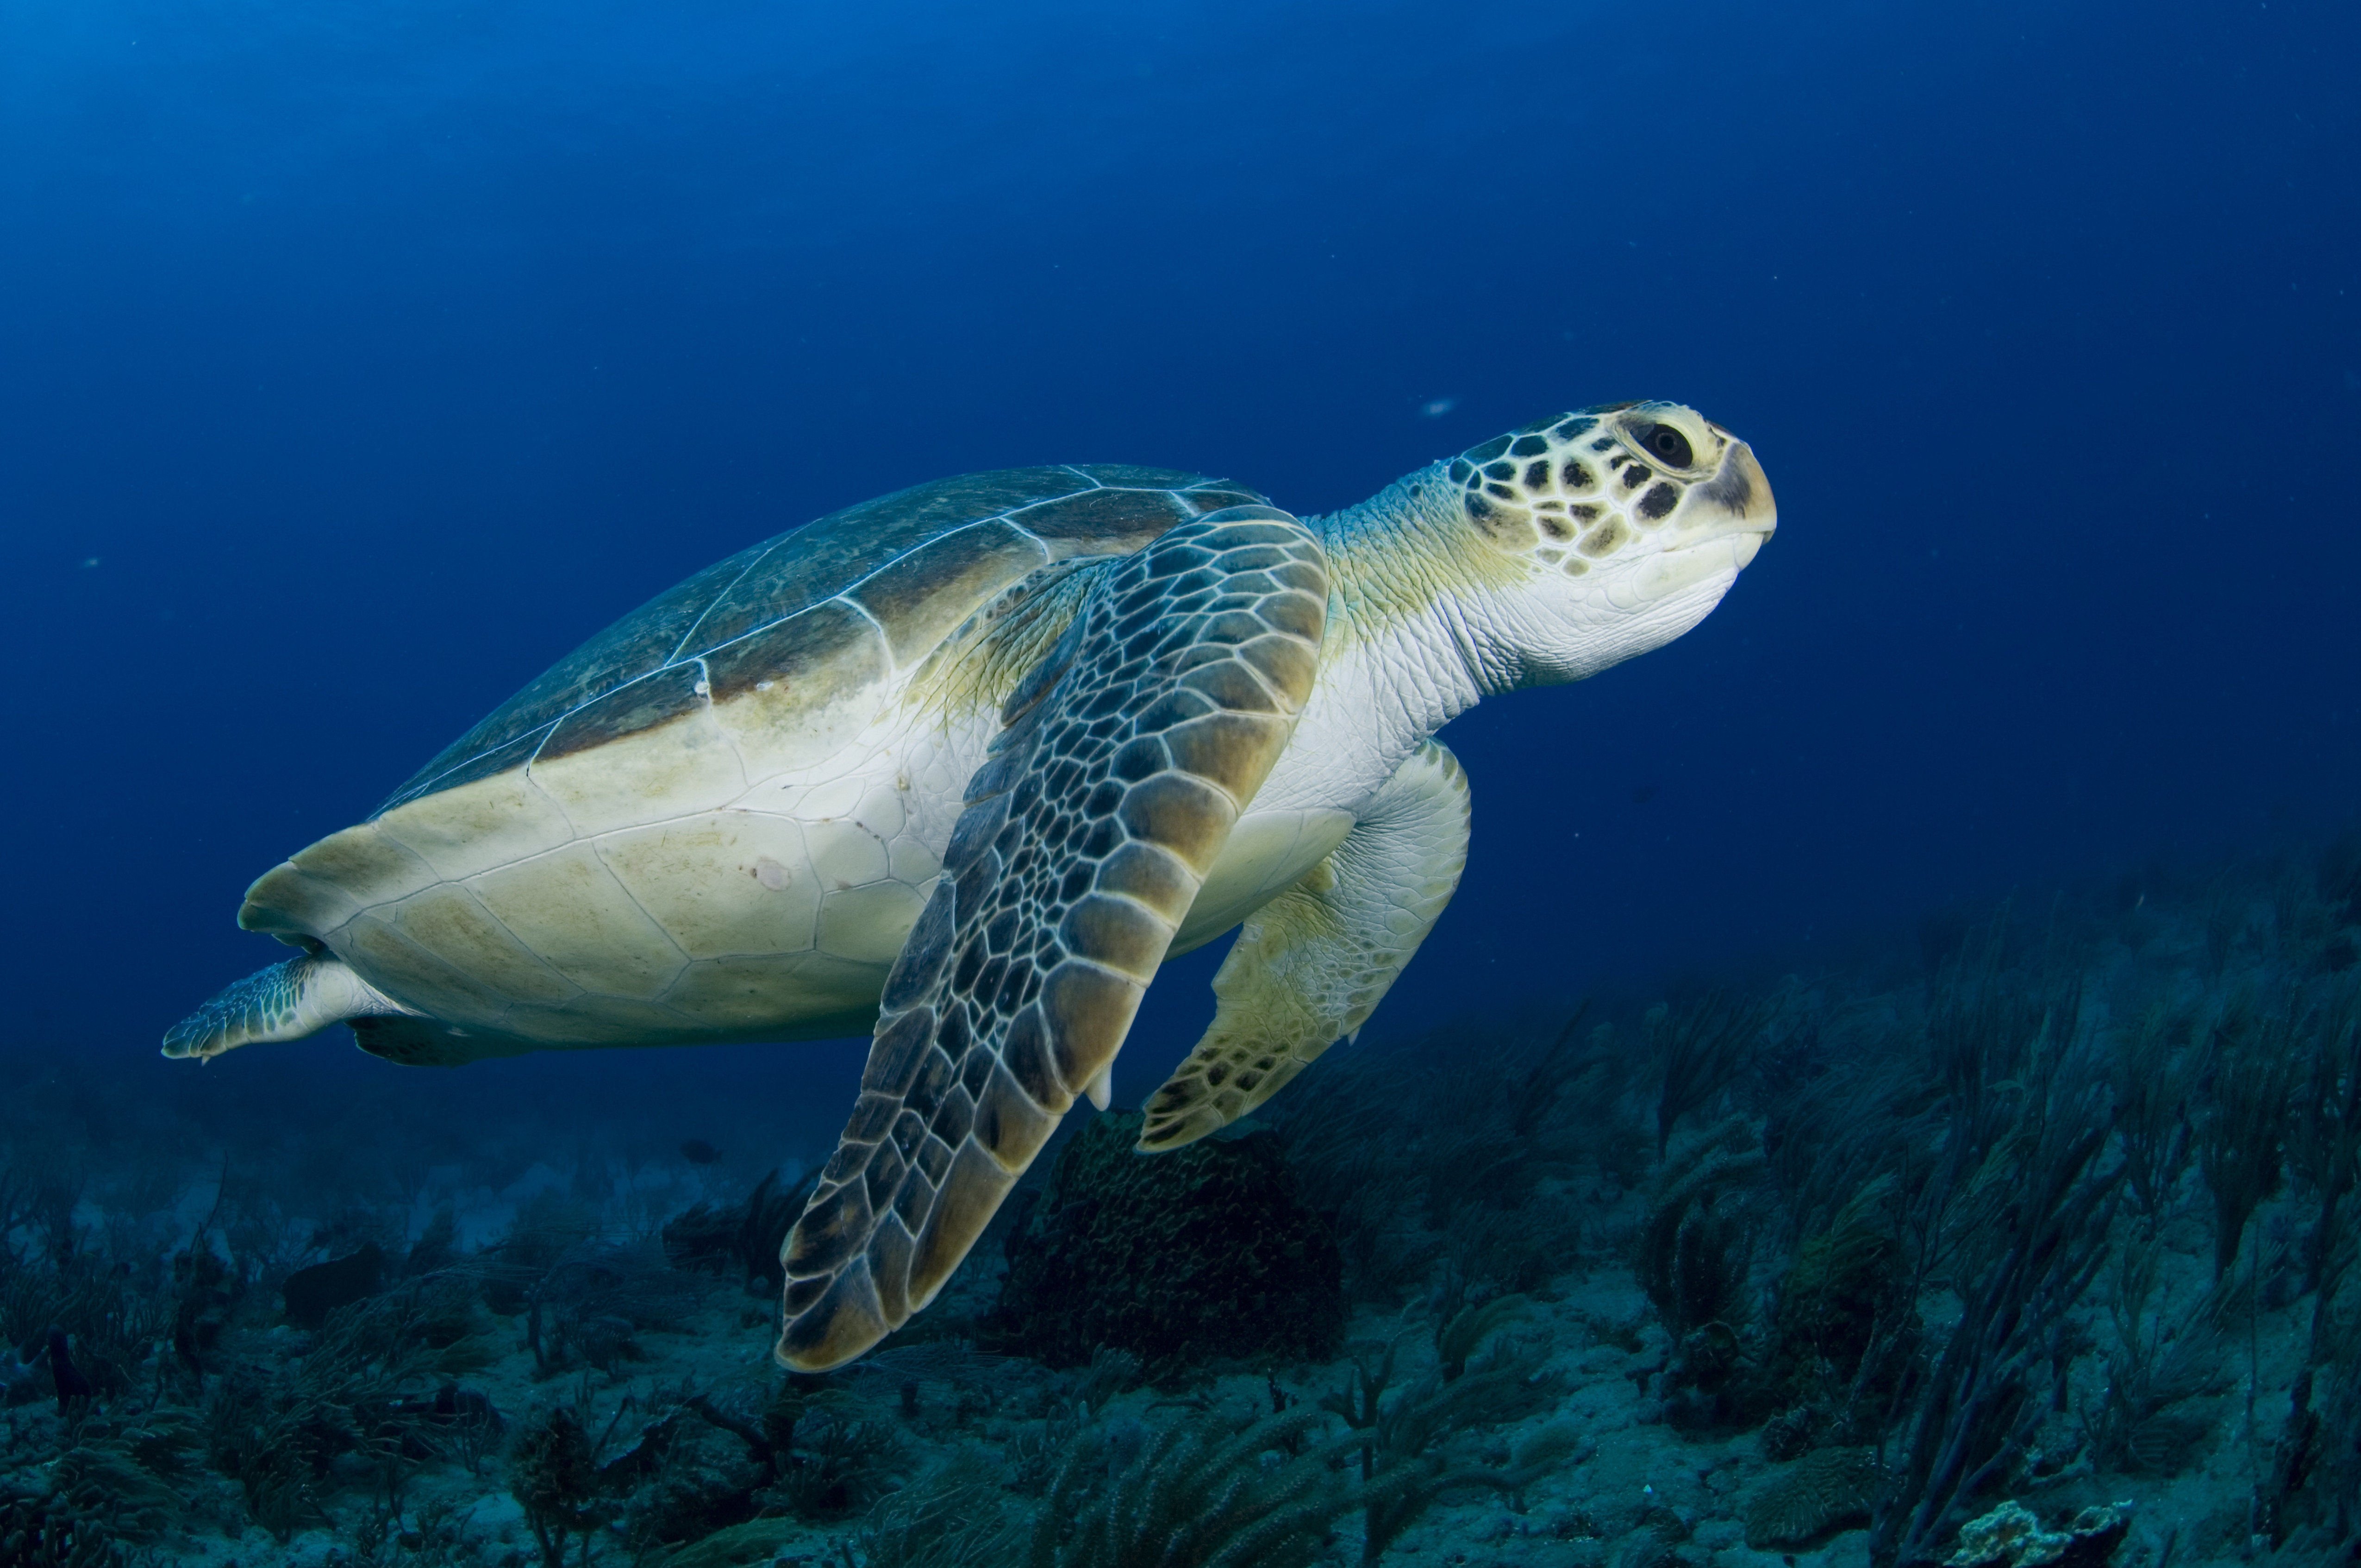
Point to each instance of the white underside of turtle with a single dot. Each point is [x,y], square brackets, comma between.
[990,751]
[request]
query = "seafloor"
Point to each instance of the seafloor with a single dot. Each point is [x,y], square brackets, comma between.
[2037,1222]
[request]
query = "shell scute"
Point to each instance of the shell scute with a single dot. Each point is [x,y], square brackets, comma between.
[865,925]
[721,884]
[793,692]
[921,599]
[923,558]
[649,703]
[1219,497]
[568,908]
[1125,519]
[448,921]
[640,642]
[808,565]
[364,856]
[1128,475]
[688,763]
[470,770]
[460,998]
[818,648]
[295,907]
[617,1021]
[487,822]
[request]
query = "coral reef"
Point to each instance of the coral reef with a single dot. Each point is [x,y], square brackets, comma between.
[1969,1240]
[594,1297]
[1823,1492]
[1700,1047]
[553,1475]
[109,1493]
[1199,1495]
[2011,1537]
[1204,1254]
[744,1236]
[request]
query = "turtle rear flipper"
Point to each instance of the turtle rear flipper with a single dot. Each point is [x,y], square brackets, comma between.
[1313,964]
[1130,754]
[286,1001]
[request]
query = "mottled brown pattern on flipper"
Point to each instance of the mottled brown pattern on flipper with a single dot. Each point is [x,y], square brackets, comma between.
[1019,984]
[1099,510]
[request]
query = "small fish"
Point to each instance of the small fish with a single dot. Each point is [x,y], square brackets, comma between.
[696,1151]
[1439,406]
[1643,794]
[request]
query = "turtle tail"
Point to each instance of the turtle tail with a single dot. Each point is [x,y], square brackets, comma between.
[286,1001]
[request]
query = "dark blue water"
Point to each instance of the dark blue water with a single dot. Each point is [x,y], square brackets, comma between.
[357,360]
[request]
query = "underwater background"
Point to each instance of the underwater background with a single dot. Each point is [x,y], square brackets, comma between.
[1965,1108]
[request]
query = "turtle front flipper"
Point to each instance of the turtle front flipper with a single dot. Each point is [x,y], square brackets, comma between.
[286,1001]
[1130,754]
[1314,963]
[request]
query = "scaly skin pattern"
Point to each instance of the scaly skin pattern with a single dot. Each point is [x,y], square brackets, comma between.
[285,1000]
[731,841]
[1314,963]
[1618,530]
[1129,756]
[990,751]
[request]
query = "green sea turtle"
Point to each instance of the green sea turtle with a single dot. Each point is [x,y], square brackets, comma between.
[964,764]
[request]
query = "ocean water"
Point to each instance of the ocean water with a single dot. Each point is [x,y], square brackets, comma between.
[356,361]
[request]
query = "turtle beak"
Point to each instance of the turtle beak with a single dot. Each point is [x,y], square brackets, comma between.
[1735,504]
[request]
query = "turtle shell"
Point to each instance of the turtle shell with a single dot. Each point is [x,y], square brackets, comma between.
[763,665]
[912,565]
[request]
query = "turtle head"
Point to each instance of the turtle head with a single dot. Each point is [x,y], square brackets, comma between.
[1622,525]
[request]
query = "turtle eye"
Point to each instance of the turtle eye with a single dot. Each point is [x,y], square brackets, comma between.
[1666,443]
